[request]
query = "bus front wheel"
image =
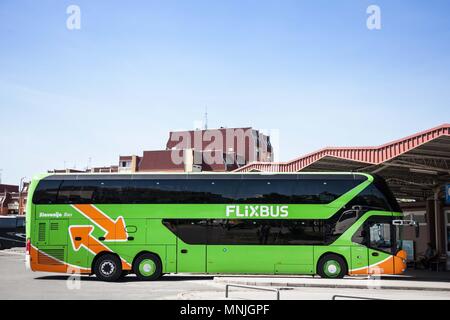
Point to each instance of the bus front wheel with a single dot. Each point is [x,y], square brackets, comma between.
[332,266]
[147,267]
[108,267]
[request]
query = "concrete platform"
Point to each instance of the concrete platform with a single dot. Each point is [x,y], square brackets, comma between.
[392,283]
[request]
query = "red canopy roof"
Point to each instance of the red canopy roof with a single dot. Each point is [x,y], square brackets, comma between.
[366,155]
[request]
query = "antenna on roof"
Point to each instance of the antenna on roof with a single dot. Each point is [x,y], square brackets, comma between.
[206,118]
[1,176]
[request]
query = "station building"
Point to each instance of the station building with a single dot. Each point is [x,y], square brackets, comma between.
[417,169]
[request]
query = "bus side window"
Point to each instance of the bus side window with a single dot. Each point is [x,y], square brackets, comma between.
[190,231]
[346,220]
[76,192]
[360,236]
[46,192]
[109,191]
[380,235]
[64,192]
[376,233]
[265,191]
[371,197]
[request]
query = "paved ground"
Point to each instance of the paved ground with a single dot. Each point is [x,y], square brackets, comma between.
[390,283]
[320,294]
[17,283]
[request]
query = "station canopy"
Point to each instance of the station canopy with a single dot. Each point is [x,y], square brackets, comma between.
[415,167]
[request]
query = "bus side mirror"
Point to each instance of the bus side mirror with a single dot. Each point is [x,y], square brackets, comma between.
[417,229]
[404,223]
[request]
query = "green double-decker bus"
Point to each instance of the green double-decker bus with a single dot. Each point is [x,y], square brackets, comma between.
[110,225]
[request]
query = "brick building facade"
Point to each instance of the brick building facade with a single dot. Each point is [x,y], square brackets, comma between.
[216,150]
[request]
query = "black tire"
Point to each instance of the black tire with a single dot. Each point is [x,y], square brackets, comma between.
[108,268]
[147,262]
[332,266]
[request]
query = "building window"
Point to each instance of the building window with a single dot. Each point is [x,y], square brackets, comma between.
[125,164]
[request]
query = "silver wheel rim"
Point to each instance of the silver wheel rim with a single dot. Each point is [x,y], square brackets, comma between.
[105,266]
[332,268]
[147,267]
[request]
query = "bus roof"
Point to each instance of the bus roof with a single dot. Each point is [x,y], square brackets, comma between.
[203,175]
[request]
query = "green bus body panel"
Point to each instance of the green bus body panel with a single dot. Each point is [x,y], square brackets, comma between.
[194,260]
[30,216]
[47,228]
[359,257]
[260,259]
[158,234]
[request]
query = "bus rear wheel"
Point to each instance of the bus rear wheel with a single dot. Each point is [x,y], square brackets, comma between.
[332,266]
[147,267]
[108,268]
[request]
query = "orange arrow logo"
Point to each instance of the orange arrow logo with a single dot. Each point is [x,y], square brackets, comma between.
[81,237]
[115,230]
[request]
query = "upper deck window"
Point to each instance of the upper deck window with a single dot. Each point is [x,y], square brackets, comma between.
[193,191]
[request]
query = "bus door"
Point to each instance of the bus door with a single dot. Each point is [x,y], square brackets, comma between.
[360,259]
[359,250]
[191,246]
[381,238]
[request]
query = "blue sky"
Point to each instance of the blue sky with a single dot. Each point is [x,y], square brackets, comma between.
[138,69]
